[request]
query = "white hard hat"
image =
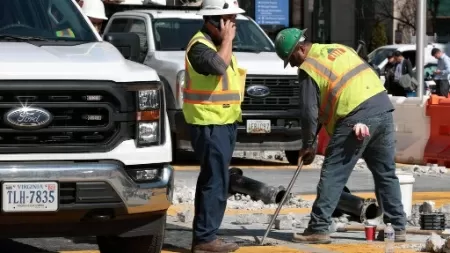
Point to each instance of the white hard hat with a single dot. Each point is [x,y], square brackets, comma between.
[220,7]
[94,9]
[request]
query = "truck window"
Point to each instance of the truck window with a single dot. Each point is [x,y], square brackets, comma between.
[56,20]
[132,25]
[379,55]
[173,34]
[118,25]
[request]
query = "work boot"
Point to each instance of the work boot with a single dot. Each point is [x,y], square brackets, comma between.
[308,237]
[400,236]
[216,246]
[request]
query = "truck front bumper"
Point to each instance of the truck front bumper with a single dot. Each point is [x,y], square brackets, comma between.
[102,184]
[285,131]
[95,198]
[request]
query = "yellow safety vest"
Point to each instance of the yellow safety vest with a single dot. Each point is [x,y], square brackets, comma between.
[67,33]
[211,100]
[345,81]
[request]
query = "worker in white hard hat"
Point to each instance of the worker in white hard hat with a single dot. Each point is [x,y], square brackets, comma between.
[212,108]
[95,10]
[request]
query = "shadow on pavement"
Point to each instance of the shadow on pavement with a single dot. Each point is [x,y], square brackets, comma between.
[10,246]
[188,159]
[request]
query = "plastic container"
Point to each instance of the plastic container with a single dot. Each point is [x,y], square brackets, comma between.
[406,187]
[389,239]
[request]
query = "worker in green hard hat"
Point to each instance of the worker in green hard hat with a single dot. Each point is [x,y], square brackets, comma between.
[342,92]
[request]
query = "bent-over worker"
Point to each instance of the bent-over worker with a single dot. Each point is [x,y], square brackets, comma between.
[341,92]
[212,108]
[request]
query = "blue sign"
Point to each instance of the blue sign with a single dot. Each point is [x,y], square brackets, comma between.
[272,12]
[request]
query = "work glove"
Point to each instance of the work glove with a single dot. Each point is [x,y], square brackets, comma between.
[307,155]
[361,131]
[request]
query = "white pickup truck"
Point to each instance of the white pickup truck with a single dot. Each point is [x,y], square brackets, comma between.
[84,138]
[271,99]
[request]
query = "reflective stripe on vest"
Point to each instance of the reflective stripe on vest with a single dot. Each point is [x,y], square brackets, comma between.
[225,96]
[337,84]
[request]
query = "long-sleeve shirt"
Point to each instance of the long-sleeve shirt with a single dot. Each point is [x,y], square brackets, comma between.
[444,67]
[205,60]
[310,103]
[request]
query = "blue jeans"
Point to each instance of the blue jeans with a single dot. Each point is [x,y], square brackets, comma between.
[341,155]
[213,145]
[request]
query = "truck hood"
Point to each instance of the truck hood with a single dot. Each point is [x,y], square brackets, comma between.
[265,63]
[91,61]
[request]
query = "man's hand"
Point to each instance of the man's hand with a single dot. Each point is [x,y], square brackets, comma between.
[227,30]
[361,131]
[437,71]
[307,155]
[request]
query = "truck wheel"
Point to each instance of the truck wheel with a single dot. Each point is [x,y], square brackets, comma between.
[139,244]
[292,155]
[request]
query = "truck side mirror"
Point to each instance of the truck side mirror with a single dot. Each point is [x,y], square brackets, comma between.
[127,43]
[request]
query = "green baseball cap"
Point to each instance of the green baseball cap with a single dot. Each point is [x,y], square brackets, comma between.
[286,41]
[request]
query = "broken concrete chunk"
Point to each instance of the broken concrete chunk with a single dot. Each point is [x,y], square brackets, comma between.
[427,207]
[446,248]
[244,219]
[434,243]
[185,216]
[283,224]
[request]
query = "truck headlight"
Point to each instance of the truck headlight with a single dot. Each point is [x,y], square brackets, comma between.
[148,99]
[149,105]
[148,132]
[179,86]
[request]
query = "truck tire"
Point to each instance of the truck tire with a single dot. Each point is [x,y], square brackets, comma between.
[139,244]
[292,155]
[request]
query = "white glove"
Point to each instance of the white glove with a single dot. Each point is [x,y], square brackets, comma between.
[361,131]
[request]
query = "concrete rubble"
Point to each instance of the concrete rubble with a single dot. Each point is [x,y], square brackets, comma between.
[185,195]
[429,169]
[435,243]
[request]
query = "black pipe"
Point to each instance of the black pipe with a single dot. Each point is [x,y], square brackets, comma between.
[253,188]
[360,208]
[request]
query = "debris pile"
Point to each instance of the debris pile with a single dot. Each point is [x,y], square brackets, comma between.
[429,169]
[418,209]
[186,195]
[283,222]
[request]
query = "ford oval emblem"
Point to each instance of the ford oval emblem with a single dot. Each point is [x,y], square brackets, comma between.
[28,118]
[258,91]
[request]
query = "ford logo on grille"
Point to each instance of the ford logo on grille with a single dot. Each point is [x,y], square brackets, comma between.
[28,118]
[258,91]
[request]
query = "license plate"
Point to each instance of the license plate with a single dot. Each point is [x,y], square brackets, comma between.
[258,126]
[30,196]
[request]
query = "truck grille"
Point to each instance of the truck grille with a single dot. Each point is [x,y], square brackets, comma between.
[86,118]
[284,93]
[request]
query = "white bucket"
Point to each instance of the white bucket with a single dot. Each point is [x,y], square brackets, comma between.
[406,186]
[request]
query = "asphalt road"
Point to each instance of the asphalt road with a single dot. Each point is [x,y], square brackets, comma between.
[306,183]
[308,179]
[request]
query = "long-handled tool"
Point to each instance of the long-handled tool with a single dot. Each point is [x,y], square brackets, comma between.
[288,191]
[361,44]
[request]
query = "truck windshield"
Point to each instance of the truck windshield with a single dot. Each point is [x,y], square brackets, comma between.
[43,20]
[173,34]
[379,55]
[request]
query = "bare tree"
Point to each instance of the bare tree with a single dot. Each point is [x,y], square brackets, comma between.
[405,11]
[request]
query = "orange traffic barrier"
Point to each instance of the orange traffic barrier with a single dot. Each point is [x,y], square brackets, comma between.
[437,150]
